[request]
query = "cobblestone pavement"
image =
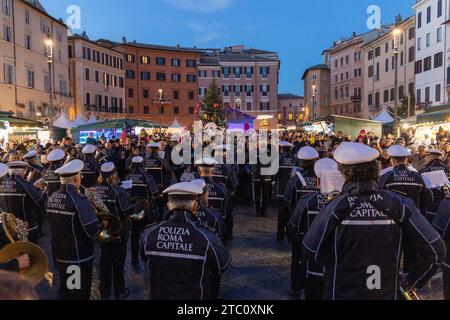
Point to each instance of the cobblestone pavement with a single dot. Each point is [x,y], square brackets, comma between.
[260,269]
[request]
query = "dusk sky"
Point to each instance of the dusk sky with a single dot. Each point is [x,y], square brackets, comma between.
[298,30]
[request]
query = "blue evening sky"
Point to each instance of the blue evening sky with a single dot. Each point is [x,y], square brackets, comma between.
[298,30]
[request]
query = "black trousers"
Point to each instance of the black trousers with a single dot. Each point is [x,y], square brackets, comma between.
[261,196]
[112,267]
[136,229]
[283,217]
[314,288]
[446,275]
[67,291]
[298,268]
[33,236]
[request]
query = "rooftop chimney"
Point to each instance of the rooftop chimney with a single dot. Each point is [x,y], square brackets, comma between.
[124,40]
[354,34]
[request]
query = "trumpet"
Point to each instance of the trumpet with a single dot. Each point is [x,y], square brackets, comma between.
[102,212]
[16,233]
[410,294]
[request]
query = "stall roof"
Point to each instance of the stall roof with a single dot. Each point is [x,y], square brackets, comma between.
[118,124]
[145,124]
[434,116]
[19,122]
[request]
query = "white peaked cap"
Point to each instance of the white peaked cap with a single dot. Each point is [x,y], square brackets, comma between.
[285,144]
[137,159]
[56,155]
[435,151]
[207,161]
[3,170]
[398,151]
[70,169]
[199,182]
[89,149]
[184,189]
[18,165]
[174,138]
[355,153]
[108,167]
[325,165]
[154,145]
[308,153]
[30,155]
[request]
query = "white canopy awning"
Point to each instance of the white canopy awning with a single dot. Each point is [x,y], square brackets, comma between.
[79,121]
[384,117]
[62,121]
[92,120]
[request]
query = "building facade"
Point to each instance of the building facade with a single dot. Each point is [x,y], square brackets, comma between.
[248,79]
[431,51]
[379,71]
[25,74]
[291,110]
[97,79]
[347,65]
[160,81]
[317,83]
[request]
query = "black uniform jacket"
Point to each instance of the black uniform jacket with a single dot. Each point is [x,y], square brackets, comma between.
[159,169]
[182,258]
[287,163]
[51,179]
[90,171]
[211,218]
[218,196]
[442,224]
[409,184]
[295,188]
[359,237]
[143,184]
[73,225]
[438,193]
[301,219]
[21,198]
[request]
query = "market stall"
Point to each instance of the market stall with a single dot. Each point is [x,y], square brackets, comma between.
[352,126]
[428,125]
[18,129]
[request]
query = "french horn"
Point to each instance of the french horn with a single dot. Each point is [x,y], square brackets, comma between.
[103,214]
[16,233]
[142,207]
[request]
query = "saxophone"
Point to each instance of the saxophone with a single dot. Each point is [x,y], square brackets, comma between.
[102,212]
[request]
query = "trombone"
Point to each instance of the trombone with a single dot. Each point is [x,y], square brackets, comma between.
[410,295]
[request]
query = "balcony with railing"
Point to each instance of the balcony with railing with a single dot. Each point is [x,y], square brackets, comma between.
[356,98]
[103,109]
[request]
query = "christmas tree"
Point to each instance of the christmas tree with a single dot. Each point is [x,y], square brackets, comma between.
[212,108]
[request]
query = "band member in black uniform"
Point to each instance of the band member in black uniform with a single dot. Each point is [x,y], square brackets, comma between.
[91,168]
[261,188]
[160,169]
[287,163]
[306,273]
[51,179]
[359,236]
[405,181]
[74,226]
[442,224]
[35,170]
[22,261]
[21,198]
[113,253]
[435,163]
[183,257]
[218,196]
[143,185]
[209,217]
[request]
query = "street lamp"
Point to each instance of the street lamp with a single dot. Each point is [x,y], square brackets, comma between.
[397,34]
[50,60]
[161,100]
[314,101]
[238,103]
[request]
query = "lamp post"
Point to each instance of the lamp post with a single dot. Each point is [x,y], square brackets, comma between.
[314,101]
[49,44]
[238,103]
[161,101]
[397,34]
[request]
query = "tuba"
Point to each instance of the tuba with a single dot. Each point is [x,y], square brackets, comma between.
[102,212]
[410,295]
[15,231]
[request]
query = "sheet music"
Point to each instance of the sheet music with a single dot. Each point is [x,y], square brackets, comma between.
[331,181]
[127,184]
[435,179]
